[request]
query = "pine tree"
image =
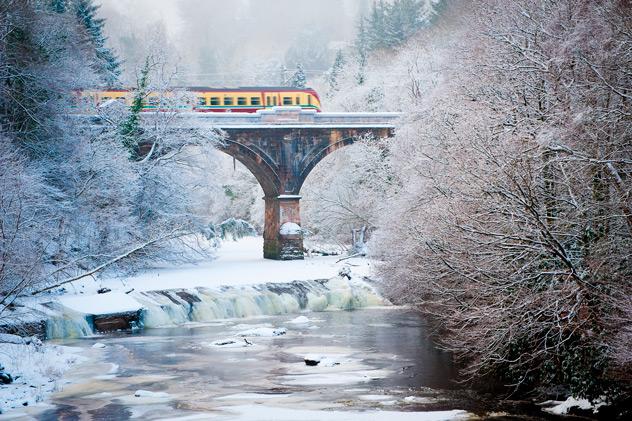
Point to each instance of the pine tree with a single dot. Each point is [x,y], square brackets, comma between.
[335,72]
[106,63]
[299,80]
[361,51]
[131,130]
[58,6]
[377,30]
[284,80]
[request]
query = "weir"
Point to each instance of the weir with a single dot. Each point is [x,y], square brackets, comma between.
[175,307]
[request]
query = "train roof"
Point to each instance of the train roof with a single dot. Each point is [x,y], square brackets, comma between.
[209,88]
[247,88]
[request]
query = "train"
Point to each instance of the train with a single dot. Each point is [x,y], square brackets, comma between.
[205,99]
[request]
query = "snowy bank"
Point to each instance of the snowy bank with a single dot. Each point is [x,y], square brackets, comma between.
[36,370]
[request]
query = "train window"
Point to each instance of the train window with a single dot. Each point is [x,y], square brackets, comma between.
[242,100]
[255,100]
[201,100]
[268,101]
[228,101]
[274,100]
[298,101]
[153,100]
[287,100]
[215,101]
[105,98]
[309,100]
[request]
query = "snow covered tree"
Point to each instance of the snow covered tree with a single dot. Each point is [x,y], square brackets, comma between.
[378,25]
[131,130]
[298,79]
[284,80]
[106,62]
[335,73]
[58,6]
[361,49]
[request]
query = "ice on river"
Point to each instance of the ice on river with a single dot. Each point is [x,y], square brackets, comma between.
[211,371]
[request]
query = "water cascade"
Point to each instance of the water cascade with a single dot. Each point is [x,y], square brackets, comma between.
[178,306]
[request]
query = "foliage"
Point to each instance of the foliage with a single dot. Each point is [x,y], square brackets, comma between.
[509,216]
[390,24]
[106,63]
[298,79]
[72,204]
[131,130]
[231,228]
[334,74]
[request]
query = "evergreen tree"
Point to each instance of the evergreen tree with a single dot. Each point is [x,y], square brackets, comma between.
[299,80]
[335,72]
[377,33]
[131,130]
[58,6]
[284,80]
[106,63]
[361,51]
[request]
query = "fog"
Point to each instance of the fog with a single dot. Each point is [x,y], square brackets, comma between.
[231,42]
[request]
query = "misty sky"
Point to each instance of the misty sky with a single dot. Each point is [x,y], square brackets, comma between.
[232,42]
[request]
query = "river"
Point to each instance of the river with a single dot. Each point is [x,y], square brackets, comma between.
[372,360]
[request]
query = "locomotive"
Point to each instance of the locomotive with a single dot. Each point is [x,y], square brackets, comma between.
[204,99]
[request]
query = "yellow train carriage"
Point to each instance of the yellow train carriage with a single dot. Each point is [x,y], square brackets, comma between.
[202,99]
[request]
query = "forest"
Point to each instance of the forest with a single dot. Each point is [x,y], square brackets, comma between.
[501,209]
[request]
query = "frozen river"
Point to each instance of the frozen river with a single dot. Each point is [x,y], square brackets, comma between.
[372,360]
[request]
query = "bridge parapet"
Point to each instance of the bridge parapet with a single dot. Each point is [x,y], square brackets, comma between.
[296,117]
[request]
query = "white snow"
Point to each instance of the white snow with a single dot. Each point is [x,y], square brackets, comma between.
[290,228]
[110,302]
[238,263]
[99,345]
[562,407]
[300,320]
[271,413]
[36,370]
[149,394]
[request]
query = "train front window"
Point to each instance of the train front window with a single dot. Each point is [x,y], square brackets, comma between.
[241,101]
[255,100]
[228,101]
[287,100]
[215,101]
[201,100]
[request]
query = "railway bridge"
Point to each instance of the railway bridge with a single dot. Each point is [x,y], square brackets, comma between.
[280,146]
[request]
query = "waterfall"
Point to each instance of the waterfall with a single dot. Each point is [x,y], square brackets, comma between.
[178,306]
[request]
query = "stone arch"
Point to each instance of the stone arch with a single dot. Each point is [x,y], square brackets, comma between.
[257,162]
[313,159]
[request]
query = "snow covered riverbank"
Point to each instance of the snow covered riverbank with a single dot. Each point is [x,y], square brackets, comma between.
[35,369]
